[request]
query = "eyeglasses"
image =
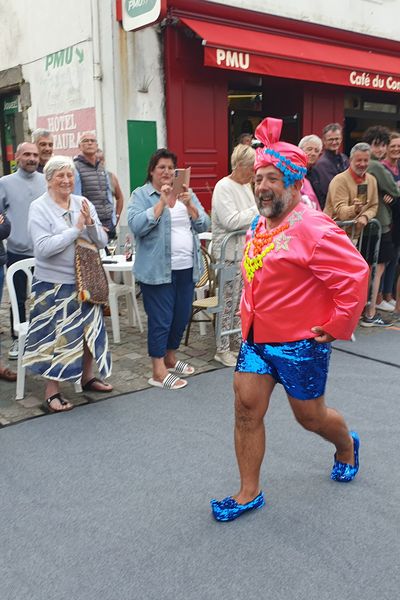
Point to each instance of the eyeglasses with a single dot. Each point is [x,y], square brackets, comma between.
[336,139]
[88,140]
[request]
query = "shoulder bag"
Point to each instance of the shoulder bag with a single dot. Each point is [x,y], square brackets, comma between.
[91,278]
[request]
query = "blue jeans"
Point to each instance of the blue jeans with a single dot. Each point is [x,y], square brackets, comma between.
[168,308]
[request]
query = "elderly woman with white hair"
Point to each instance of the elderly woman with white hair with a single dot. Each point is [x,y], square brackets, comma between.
[233,208]
[64,333]
[312,147]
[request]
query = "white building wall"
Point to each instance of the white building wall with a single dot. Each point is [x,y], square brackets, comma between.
[31,30]
[371,17]
[52,41]
[132,88]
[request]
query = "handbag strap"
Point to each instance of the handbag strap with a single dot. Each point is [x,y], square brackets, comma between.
[86,244]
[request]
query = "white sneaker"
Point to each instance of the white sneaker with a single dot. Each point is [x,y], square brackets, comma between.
[386,306]
[13,351]
[392,302]
[227,358]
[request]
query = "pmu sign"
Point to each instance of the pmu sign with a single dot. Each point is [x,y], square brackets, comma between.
[301,68]
[232,59]
[139,13]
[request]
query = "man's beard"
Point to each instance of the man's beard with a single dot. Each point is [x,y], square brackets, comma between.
[277,207]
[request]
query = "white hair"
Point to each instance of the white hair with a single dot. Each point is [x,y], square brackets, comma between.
[56,163]
[360,147]
[310,139]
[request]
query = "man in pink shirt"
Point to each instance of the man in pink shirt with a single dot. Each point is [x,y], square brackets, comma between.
[304,286]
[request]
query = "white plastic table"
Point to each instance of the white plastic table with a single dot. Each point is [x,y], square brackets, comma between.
[119,264]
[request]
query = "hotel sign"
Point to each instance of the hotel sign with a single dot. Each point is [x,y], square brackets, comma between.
[139,13]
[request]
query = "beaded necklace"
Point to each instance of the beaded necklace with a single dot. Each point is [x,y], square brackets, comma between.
[262,244]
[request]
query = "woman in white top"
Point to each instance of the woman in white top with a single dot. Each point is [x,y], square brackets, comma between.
[64,334]
[233,208]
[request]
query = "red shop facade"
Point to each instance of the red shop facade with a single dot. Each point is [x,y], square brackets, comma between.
[227,68]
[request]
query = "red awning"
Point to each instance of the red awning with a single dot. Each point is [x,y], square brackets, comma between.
[239,49]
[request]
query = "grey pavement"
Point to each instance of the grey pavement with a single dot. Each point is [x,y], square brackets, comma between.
[111,501]
[131,367]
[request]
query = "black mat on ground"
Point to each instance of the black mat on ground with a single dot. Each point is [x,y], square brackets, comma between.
[111,500]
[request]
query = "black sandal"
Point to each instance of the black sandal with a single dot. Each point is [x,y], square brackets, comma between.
[50,409]
[89,387]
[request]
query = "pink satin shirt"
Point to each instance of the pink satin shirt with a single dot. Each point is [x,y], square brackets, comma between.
[314,276]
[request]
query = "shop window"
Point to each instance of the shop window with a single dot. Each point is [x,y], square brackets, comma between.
[365,110]
[245,113]
[11,132]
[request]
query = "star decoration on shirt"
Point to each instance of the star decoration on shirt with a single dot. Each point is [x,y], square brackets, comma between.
[295,217]
[282,242]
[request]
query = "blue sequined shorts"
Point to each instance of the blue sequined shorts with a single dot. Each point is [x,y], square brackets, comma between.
[301,367]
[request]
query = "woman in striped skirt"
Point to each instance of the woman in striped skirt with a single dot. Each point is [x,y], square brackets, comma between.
[64,335]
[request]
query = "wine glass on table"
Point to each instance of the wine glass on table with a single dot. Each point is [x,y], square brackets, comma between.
[112,247]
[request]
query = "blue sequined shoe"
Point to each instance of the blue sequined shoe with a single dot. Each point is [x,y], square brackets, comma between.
[228,509]
[343,471]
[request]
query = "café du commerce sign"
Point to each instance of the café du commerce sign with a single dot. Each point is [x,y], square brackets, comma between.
[139,13]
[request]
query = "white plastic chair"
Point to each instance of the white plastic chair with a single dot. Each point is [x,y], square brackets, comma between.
[20,329]
[116,290]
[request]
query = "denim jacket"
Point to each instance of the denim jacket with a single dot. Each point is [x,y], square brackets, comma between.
[153,237]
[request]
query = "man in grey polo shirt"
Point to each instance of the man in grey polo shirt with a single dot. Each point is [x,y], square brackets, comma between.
[17,192]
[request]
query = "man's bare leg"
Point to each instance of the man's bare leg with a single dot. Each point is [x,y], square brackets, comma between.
[252,394]
[315,416]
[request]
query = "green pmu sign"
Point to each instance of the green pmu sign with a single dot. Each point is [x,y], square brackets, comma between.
[134,8]
[64,57]
[139,13]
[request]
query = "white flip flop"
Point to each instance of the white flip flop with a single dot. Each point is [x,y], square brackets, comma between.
[182,368]
[168,383]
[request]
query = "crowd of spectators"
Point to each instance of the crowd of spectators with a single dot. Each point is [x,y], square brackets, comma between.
[363,191]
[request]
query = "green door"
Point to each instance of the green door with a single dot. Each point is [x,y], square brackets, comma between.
[142,143]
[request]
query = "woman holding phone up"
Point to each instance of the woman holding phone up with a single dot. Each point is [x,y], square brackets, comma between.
[167,263]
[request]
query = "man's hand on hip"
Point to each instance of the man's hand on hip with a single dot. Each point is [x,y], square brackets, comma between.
[323,337]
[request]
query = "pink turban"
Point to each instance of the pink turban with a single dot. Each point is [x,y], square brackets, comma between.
[289,159]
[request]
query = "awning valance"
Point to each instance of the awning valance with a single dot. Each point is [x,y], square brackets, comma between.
[246,50]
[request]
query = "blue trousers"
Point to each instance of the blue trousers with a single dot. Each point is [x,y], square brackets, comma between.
[168,308]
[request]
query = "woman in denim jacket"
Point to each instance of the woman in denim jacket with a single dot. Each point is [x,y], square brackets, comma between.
[167,263]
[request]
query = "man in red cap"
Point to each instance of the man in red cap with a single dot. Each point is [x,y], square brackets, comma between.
[304,286]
